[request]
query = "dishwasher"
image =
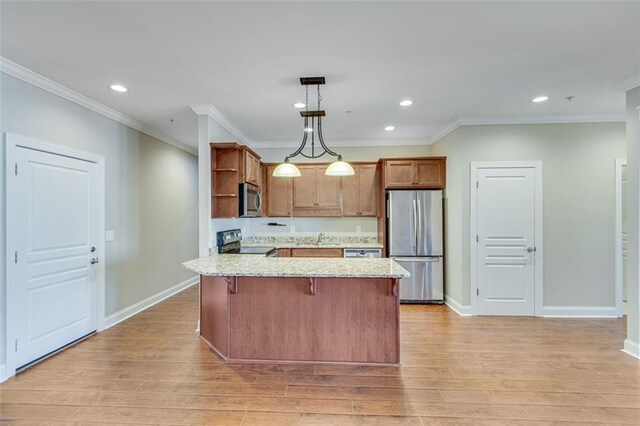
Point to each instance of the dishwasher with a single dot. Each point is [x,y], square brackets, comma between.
[362,252]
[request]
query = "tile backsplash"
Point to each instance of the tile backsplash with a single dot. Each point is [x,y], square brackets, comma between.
[336,229]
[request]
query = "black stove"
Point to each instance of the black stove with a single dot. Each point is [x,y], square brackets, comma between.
[229,243]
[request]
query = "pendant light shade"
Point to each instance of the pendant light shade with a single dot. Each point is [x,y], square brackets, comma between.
[339,168]
[286,169]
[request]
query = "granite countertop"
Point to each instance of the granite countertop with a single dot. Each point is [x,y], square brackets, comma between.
[322,245]
[258,266]
[310,240]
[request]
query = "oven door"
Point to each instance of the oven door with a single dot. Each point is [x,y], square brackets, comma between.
[250,200]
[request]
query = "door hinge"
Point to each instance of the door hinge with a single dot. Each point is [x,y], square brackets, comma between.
[477,292]
[477,238]
[476,184]
[16,345]
[15,257]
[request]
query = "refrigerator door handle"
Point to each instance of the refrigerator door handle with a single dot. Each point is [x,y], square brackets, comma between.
[415,226]
[419,235]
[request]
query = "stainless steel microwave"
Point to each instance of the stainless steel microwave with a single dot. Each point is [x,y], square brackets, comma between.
[250,200]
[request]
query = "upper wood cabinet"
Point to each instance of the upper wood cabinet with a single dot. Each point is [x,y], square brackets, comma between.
[315,190]
[278,193]
[231,165]
[251,168]
[360,192]
[415,173]
[327,189]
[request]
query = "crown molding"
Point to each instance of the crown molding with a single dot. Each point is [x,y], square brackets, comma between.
[488,121]
[555,119]
[217,116]
[453,125]
[343,144]
[18,71]
[628,83]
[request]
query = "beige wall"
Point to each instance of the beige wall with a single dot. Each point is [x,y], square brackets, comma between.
[633,217]
[151,192]
[578,202]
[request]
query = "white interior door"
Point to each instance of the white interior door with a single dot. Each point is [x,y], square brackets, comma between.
[506,247]
[53,288]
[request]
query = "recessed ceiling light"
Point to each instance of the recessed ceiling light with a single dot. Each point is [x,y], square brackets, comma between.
[406,102]
[118,88]
[299,105]
[389,128]
[540,99]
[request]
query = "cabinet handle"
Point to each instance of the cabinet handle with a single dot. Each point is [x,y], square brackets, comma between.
[312,286]
[232,283]
[394,287]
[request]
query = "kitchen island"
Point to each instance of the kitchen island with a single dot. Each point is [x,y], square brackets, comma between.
[300,309]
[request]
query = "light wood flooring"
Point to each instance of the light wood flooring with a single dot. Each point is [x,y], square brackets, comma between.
[152,369]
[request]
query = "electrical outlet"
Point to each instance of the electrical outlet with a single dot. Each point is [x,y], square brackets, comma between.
[292,229]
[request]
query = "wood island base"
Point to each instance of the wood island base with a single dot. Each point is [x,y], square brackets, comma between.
[275,319]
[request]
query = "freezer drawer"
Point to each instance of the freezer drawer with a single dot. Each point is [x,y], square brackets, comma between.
[426,283]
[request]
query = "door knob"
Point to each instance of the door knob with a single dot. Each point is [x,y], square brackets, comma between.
[531,249]
[94,260]
[93,249]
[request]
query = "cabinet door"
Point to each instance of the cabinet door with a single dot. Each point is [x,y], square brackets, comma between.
[278,194]
[316,252]
[367,190]
[257,171]
[350,197]
[284,252]
[360,192]
[304,188]
[327,189]
[399,173]
[430,173]
[250,172]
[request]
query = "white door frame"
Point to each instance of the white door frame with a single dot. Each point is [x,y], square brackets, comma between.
[473,229]
[619,162]
[12,143]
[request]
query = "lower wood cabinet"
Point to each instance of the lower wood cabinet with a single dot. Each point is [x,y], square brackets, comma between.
[284,252]
[316,252]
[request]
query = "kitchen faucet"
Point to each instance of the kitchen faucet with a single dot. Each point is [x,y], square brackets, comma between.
[320,235]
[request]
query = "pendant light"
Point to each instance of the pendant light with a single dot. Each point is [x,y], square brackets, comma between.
[338,167]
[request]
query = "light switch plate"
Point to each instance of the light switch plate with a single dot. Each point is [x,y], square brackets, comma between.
[109,236]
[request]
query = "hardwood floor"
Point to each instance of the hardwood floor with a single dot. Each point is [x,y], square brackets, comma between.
[153,369]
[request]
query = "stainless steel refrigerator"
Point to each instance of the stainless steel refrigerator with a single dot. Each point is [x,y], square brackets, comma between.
[415,230]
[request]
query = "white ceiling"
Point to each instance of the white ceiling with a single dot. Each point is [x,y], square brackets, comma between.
[481,61]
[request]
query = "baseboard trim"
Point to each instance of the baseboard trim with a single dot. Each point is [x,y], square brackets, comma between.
[462,310]
[136,308]
[631,348]
[579,312]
